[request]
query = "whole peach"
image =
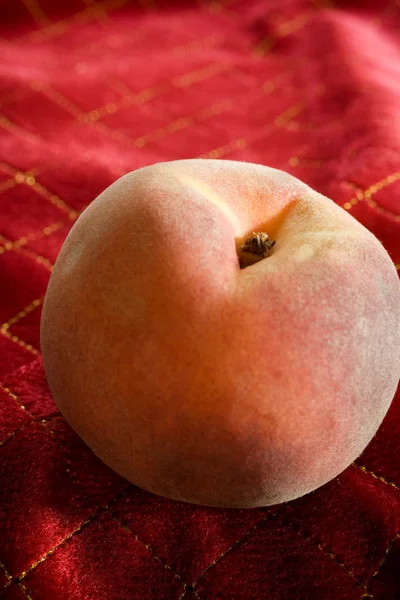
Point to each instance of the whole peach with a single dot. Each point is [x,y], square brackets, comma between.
[206,382]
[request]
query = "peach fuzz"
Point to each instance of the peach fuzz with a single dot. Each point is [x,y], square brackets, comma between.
[209,383]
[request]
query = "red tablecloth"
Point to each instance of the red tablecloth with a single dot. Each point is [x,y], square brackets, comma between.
[90,90]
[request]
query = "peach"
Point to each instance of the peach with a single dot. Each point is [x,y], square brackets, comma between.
[209,383]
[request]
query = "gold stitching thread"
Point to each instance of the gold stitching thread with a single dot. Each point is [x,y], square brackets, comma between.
[18,430]
[7,574]
[120,136]
[264,46]
[98,12]
[22,314]
[24,590]
[7,244]
[9,437]
[12,395]
[78,114]
[217,7]
[19,177]
[370,191]
[293,25]
[207,42]
[111,41]
[96,512]
[17,340]
[37,257]
[30,237]
[128,100]
[148,548]
[185,122]
[285,119]
[293,111]
[46,231]
[295,161]
[185,587]
[388,549]
[241,143]
[283,30]
[52,550]
[32,422]
[296,126]
[37,12]
[16,173]
[181,50]
[185,80]
[269,87]
[8,169]
[58,98]
[53,198]
[202,74]
[327,553]
[335,559]
[362,468]
[57,28]
[8,184]
[121,40]
[182,123]
[282,508]
[237,144]
[15,129]
[118,86]
[230,147]
[193,591]
[281,120]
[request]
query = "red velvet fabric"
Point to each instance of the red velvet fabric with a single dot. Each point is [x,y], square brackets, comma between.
[90,90]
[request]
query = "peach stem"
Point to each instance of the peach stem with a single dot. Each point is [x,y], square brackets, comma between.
[255,248]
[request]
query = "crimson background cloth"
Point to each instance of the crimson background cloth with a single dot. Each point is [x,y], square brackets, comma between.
[91,90]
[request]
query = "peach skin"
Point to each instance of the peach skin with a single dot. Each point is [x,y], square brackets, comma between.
[220,333]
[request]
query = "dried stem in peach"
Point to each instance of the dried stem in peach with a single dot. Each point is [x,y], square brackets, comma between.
[255,248]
